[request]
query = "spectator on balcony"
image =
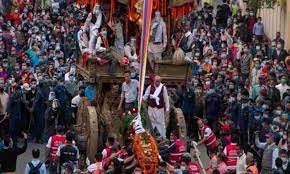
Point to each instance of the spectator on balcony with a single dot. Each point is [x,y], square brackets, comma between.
[258,29]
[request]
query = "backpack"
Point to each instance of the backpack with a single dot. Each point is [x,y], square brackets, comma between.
[34,169]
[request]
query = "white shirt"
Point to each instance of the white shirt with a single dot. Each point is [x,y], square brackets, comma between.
[241,164]
[99,47]
[104,153]
[275,152]
[165,96]
[282,89]
[35,162]
[207,132]
[91,168]
[75,101]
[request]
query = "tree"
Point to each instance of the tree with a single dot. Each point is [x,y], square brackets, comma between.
[259,4]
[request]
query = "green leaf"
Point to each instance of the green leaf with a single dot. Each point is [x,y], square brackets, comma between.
[259,4]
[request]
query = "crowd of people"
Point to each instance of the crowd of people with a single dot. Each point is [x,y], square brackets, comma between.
[237,103]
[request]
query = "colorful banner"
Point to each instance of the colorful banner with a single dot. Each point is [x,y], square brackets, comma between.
[146,23]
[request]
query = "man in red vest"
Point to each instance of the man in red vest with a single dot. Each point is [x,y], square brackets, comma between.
[207,137]
[188,165]
[231,152]
[53,143]
[107,151]
[158,102]
[178,148]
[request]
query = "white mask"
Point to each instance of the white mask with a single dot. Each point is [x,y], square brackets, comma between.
[182,168]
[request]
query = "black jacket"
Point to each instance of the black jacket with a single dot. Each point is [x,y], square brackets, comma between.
[8,158]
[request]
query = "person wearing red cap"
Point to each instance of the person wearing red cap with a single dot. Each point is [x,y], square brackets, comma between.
[270,154]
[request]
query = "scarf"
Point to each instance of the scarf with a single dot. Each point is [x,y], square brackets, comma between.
[156,94]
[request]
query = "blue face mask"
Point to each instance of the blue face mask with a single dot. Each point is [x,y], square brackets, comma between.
[133,74]
[224,56]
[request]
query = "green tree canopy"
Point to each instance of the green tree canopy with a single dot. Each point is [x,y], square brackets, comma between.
[258,4]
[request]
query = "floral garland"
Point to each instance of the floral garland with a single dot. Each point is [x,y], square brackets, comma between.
[146,151]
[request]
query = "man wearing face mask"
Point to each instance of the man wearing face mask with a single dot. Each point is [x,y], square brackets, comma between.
[258,29]
[157,40]
[256,72]
[118,32]
[175,150]
[130,50]
[280,53]
[243,118]
[273,92]
[283,86]
[15,113]
[187,39]
[93,22]
[270,154]
[286,161]
[188,107]
[9,154]
[102,44]
[83,39]
[279,39]
[4,97]
[199,104]
[71,85]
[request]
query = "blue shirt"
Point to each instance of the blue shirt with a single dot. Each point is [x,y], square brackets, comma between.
[35,162]
[258,29]
[90,92]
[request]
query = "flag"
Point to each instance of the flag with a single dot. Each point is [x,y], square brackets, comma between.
[146,22]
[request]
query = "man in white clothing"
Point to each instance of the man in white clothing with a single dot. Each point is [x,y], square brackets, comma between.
[130,50]
[158,101]
[271,152]
[94,22]
[157,40]
[282,87]
[101,41]
[83,39]
[241,163]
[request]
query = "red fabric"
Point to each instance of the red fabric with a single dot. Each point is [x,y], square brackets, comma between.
[56,141]
[193,168]
[30,16]
[211,140]
[15,18]
[178,151]
[251,23]
[265,71]
[97,171]
[85,58]
[225,128]
[229,139]
[232,154]
[124,61]
[108,150]
[102,61]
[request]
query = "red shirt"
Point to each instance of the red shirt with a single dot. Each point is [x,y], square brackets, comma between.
[56,141]
[231,151]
